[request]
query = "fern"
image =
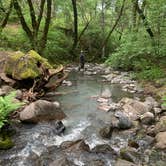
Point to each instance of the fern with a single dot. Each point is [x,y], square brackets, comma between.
[7,105]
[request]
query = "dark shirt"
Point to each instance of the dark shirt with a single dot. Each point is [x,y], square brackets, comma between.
[82,58]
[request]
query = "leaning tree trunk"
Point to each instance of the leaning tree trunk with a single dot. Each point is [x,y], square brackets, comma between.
[7,14]
[114,26]
[75,37]
[46,27]
[145,22]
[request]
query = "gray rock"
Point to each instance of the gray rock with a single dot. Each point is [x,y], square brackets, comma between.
[129,154]
[106,132]
[95,163]
[147,118]
[133,108]
[157,110]
[161,140]
[124,121]
[161,125]
[73,146]
[121,162]
[106,93]
[5,89]
[104,148]
[62,162]
[41,110]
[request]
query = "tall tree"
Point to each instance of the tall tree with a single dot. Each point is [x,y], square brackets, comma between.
[6,14]
[33,33]
[115,24]
[75,36]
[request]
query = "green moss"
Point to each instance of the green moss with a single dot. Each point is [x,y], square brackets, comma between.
[22,66]
[38,58]
[29,73]
[5,142]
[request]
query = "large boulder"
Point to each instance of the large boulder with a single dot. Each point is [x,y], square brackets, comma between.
[124,121]
[133,109]
[23,66]
[161,140]
[41,110]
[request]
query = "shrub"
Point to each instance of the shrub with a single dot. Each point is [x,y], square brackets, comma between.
[7,106]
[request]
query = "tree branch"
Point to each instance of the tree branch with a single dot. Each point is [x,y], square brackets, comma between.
[114,26]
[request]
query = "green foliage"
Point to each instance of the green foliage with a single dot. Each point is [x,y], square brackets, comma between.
[7,105]
[164,101]
[58,46]
[151,74]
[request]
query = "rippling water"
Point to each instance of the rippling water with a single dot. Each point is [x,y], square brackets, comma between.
[83,121]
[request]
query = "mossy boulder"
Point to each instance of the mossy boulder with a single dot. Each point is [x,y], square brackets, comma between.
[23,66]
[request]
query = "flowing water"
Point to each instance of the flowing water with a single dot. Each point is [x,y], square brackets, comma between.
[39,145]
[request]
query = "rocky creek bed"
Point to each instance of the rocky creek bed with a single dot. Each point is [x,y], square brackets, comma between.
[98,117]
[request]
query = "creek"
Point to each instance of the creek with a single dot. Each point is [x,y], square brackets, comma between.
[40,145]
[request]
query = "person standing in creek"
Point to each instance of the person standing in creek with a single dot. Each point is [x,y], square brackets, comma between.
[81,60]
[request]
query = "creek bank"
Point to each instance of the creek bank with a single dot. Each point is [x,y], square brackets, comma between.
[125,139]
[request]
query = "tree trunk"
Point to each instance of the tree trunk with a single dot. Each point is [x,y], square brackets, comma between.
[74,4]
[134,13]
[5,20]
[114,26]
[145,22]
[103,25]
[23,23]
[46,27]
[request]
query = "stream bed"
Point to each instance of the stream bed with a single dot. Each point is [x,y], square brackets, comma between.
[39,145]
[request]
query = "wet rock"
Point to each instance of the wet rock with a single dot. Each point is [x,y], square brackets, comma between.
[57,104]
[58,127]
[62,162]
[104,107]
[104,148]
[151,131]
[147,118]
[151,102]
[102,100]
[157,111]
[161,140]
[121,162]
[109,77]
[161,125]
[107,70]
[66,83]
[19,94]
[129,154]
[145,142]
[133,143]
[106,93]
[96,163]
[133,108]
[73,146]
[124,121]
[41,110]
[106,132]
